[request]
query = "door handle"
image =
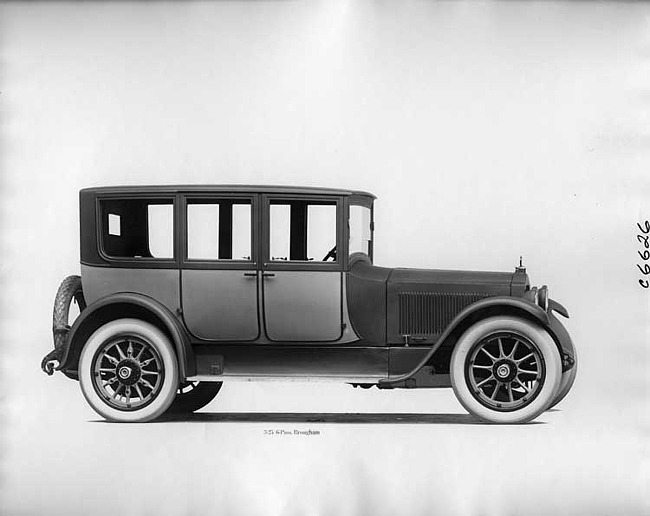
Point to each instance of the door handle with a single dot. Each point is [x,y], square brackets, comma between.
[268,274]
[250,274]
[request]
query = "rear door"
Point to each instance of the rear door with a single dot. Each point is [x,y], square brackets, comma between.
[219,268]
[302,271]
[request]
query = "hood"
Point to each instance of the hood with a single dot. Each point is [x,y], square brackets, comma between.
[386,304]
[422,302]
[443,281]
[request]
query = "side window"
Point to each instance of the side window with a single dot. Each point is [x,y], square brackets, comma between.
[302,230]
[219,229]
[138,228]
[360,230]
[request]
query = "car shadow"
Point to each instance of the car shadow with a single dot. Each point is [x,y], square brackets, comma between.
[327,418]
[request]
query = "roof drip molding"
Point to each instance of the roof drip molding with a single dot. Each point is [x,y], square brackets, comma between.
[225,189]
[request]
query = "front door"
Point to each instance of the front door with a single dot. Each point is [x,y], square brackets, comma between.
[219,274]
[302,271]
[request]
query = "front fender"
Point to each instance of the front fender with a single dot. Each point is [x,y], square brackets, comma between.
[127,304]
[487,307]
[562,337]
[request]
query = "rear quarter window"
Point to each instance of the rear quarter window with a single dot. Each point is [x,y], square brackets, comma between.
[137,228]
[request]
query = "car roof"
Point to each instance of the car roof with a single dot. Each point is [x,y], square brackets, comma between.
[271,189]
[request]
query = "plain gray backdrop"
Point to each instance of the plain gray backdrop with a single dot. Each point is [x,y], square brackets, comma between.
[488,130]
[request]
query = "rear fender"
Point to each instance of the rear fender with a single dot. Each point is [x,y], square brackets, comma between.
[117,306]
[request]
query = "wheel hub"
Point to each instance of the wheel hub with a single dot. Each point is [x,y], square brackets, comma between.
[128,372]
[505,370]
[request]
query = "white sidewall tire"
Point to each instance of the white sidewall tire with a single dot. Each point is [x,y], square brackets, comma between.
[566,384]
[547,348]
[164,348]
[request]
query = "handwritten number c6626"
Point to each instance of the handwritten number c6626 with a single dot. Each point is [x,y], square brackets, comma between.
[644,239]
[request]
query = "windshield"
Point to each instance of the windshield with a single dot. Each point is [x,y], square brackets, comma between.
[360,224]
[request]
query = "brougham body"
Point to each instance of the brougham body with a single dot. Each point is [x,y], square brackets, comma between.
[183,288]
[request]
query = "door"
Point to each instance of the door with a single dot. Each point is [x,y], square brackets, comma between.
[219,270]
[302,271]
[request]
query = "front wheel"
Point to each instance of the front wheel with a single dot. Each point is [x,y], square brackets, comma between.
[505,370]
[128,371]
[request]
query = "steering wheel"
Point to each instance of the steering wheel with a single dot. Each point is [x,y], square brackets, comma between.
[331,254]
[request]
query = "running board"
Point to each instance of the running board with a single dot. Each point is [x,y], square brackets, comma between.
[241,378]
[424,380]
[300,363]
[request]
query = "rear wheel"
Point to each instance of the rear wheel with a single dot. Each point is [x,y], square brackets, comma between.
[192,396]
[128,371]
[506,370]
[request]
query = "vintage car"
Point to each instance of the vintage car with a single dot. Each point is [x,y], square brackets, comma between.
[183,288]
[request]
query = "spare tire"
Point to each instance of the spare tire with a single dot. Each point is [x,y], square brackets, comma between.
[69,289]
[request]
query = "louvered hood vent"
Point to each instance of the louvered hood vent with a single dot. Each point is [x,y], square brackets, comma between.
[431,312]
